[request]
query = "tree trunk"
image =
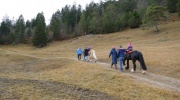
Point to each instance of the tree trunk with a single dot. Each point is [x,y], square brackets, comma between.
[157,30]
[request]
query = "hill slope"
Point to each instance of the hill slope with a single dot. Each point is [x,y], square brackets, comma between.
[54,72]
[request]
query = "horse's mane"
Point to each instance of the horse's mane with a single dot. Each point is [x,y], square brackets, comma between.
[136,51]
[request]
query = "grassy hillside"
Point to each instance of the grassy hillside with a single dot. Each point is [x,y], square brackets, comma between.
[160,50]
[53,73]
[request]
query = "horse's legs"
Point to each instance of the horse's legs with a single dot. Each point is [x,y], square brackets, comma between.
[124,61]
[134,64]
[127,67]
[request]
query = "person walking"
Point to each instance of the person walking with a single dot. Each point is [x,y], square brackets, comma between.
[92,55]
[79,53]
[86,54]
[113,52]
[120,55]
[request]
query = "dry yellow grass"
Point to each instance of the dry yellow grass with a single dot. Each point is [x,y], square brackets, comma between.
[84,75]
[161,54]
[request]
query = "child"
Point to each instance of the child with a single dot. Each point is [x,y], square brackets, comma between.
[130,48]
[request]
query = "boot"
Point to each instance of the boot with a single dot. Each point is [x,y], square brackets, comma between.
[116,66]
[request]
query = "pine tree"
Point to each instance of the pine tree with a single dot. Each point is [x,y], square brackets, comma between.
[178,8]
[11,38]
[5,29]
[29,33]
[40,36]
[20,29]
[110,18]
[124,21]
[135,20]
[128,5]
[28,23]
[33,23]
[55,25]
[152,16]
[172,6]
[93,25]
[82,24]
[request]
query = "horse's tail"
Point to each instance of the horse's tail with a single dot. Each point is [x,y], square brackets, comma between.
[141,60]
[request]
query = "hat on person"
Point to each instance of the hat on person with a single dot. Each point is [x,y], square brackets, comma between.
[130,44]
[89,47]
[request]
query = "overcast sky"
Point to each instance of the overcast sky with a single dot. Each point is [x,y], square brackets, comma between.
[30,8]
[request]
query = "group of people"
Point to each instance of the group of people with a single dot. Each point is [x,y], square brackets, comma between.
[119,54]
[89,54]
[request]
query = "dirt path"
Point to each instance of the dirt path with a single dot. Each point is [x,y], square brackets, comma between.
[150,78]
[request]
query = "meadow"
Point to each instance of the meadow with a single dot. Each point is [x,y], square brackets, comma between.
[53,72]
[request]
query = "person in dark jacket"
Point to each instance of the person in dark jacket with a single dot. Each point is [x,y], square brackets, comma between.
[120,55]
[86,54]
[113,52]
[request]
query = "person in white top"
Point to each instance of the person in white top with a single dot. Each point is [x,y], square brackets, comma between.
[92,56]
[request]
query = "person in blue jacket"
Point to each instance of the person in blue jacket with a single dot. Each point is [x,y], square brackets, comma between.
[113,52]
[120,55]
[79,53]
